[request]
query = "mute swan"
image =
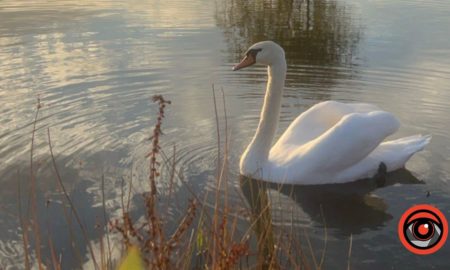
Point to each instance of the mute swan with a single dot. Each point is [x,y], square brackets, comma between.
[332,142]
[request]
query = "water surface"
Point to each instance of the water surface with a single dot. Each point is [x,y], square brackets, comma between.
[95,67]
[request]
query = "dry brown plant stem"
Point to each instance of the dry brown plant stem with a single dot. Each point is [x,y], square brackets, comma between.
[24,227]
[349,252]
[106,228]
[35,222]
[325,238]
[69,200]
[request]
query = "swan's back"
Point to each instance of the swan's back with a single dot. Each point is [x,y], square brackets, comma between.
[336,143]
[341,146]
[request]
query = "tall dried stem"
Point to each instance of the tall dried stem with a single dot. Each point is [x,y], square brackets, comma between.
[35,223]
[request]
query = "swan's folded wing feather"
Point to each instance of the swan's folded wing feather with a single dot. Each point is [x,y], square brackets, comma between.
[393,153]
[350,140]
[318,119]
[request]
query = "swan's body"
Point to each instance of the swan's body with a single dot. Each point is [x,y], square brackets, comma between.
[332,142]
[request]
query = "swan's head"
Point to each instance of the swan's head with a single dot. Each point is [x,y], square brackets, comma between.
[265,52]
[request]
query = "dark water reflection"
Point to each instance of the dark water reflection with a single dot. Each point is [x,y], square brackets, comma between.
[349,208]
[96,66]
[311,32]
[342,211]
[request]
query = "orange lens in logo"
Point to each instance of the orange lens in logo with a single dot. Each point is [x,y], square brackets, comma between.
[423,229]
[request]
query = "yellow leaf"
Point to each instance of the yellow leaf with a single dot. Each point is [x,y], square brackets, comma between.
[132,260]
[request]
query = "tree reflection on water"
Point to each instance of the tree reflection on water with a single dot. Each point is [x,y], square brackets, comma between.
[312,32]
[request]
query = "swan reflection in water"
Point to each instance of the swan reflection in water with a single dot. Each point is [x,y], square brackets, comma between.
[347,208]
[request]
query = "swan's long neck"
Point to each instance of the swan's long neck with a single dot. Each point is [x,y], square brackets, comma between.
[258,150]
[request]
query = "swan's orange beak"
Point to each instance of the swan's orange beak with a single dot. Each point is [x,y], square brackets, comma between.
[247,61]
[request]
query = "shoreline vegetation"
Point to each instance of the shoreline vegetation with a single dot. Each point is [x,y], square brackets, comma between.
[208,235]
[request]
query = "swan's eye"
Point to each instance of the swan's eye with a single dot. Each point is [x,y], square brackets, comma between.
[423,230]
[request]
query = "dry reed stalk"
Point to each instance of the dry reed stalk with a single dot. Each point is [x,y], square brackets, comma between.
[215,217]
[184,258]
[69,200]
[260,208]
[192,192]
[68,219]
[297,246]
[55,263]
[275,256]
[122,203]
[349,252]
[129,190]
[218,130]
[291,258]
[106,228]
[325,238]
[171,179]
[200,236]
[289,248]
[24,226]
[103,260]
[35,222]
[225,252]
[311,250]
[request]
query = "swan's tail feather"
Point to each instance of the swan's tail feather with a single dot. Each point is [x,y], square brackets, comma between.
[415,143]
[397,152]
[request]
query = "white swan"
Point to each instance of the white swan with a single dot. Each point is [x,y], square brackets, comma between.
[332,142]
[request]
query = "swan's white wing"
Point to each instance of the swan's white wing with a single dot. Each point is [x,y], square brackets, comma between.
[349,141]
[393,153]
[318,119]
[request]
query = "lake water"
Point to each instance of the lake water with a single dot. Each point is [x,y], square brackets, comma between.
[95,67]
